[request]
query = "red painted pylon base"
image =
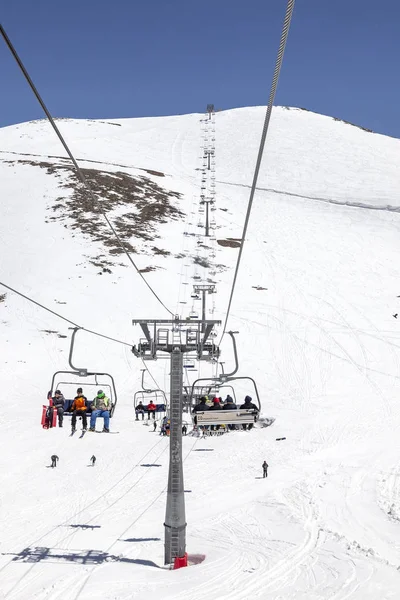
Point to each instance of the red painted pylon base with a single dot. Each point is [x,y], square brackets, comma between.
[181,561]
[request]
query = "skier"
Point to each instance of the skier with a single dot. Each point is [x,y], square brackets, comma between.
[215,406]
[230,405]
[79,408]
[164,422]
[93,460]
[184,429]
[139,410]
[202,405]
[154,425]
[265,468]
[58,403]
[151,410]
[54,459]
[249,406]
[101,407]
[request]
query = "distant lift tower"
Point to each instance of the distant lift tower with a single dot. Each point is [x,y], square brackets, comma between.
[203,289]
[176,337]
[207,223]
[207,155]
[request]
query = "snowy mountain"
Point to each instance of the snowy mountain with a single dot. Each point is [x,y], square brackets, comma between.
[314,305]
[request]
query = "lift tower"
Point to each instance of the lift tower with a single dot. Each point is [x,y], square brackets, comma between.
[175,337]
[203,289]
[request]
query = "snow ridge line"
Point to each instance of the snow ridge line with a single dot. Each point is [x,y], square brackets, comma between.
[348,203]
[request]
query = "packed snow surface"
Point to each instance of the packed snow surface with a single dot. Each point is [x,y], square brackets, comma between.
[315,302]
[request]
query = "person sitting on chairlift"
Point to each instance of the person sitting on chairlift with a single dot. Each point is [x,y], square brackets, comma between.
[151,410]
[200,407]
[58,403]
[216,404]
[139,410]
[79,408]
[230,405]
[248,404]
[101,407]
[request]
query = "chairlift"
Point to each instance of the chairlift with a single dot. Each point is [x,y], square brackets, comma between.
[228,377]
[196,277]
[192,336]
[193,315]
[195,296]
[192,394]
[80,377]
[146,396]
[189,365]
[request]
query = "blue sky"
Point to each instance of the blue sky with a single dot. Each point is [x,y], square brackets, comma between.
[128,58]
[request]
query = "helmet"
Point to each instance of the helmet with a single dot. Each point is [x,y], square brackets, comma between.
[79,390]
[57,392]
[100,394]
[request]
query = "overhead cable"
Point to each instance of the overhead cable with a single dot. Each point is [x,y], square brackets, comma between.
[107,337]
[78,169]
[278,64]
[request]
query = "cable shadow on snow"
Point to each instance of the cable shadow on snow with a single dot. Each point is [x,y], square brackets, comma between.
[84,557]
[83,526]
[149,539]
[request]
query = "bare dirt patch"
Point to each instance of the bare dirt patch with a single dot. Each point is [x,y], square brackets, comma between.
[135,205]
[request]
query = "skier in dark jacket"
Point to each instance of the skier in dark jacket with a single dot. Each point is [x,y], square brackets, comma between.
[229,404]
[54,459]
[202,405]
[216,405]
[265,468]
[140,410]
[249,406]
[58,403]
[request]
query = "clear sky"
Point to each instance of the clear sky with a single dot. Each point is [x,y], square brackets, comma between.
[129,58]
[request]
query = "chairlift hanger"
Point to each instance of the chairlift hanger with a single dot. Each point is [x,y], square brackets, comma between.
[225,377]
[81,372]
[152,394]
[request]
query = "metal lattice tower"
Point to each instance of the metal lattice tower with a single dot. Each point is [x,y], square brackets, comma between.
[176,337]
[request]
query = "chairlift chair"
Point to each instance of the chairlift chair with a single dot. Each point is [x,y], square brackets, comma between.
[189,365]
[229,377]
[145,395]
[84,378]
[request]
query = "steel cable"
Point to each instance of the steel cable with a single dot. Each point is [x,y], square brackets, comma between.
[107,337]
[78,169]
[278,64]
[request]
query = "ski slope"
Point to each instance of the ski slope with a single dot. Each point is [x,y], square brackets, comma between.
[319,338]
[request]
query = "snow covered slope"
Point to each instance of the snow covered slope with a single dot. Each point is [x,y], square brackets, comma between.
[314,306]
